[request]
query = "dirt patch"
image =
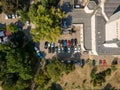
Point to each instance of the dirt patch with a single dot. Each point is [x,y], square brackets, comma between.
[80,78]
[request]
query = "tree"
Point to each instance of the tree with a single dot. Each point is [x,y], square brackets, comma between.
[16,67]
[54,69]
[10,6]
[46,21]
[12,28]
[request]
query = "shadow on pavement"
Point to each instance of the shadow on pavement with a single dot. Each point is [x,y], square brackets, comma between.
[2,25]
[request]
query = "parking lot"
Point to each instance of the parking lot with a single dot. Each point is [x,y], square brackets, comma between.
[63,44]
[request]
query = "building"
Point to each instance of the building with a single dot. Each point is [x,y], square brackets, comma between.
[101,25]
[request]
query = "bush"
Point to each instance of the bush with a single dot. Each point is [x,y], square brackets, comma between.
[93,75]
[108,71]
[113,68]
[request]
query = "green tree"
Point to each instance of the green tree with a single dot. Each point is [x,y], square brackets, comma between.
[46,21]
[9,6]
[54,69]
[12,28]
[16,67]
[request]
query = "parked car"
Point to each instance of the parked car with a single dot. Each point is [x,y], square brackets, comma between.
[13,16]
[59,42]
[59,49]
[68,61]
[75,41]
[52,49]
[68,43]
[82,62]
[46,45]
[68,50]
[79,62]
[62,49]
[64,24]
[78,49]
[52,44]
[71,42]
[100,62]
[64,43]
[77,6]
[38,52]
[75,49]
[49,49]
[104,62]
[62,61]
[72,49]
[56,49]
[65,49]
[8,16]
[93,62]
[40,55]
[36,49]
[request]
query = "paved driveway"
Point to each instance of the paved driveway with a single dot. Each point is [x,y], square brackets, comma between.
[6,21]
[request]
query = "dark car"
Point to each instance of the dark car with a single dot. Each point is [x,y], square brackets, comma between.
[79,62]
[65,49]
[46,45]
[93,62]
[59,42]
[52,49]
[72,42]
[82,62]
[56,49]
[75,41]
[62,42]
[100,62]
[49,49]
[72,49]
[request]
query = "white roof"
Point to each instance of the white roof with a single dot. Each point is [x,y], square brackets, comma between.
[111,45]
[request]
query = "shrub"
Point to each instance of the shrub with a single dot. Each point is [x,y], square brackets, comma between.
[113,68]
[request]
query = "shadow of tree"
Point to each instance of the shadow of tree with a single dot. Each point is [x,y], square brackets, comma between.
[55,86]
[109,87]
[66,7]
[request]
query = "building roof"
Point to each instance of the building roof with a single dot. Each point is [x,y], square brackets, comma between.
[101,39]
[91,5]
[111,6]
[80,17]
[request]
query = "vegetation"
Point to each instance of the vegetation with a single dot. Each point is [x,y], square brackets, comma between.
[13,28]
[113,67]
[99,78]
[50,74]
[11,6]
[16,67]
[47,22]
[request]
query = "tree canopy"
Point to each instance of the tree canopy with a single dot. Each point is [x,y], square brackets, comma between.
[47,22]
[11,6]
[16,67]
[13,28]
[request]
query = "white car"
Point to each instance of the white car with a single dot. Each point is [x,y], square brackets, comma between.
[78,49]
[59,49]
[13,16]
[68,49]
[48,44]
[75,49]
